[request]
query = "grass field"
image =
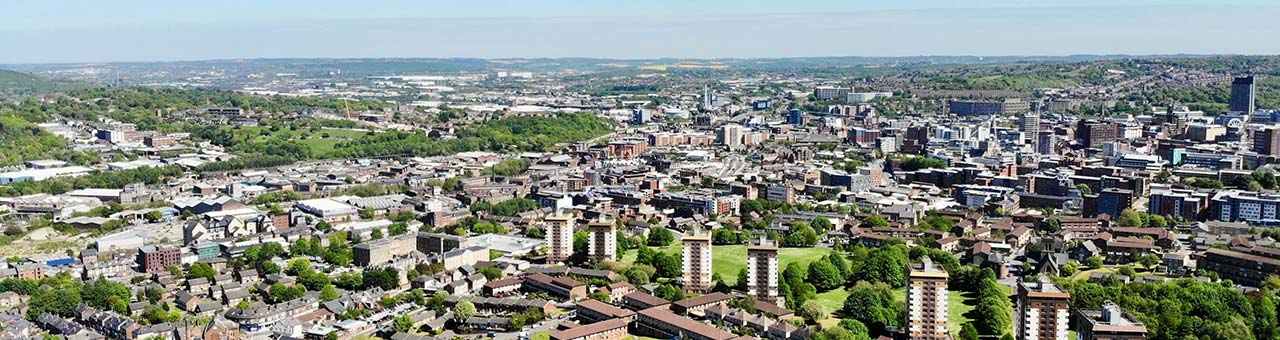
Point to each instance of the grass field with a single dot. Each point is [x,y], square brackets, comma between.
[957,306]
[727,260]
[315,140]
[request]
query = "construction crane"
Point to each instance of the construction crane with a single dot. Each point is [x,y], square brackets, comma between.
[347,104]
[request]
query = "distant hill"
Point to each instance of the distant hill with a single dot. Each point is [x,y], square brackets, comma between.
[18,83]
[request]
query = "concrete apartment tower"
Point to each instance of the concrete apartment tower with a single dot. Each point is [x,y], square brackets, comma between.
[697,261]
[926,302]
[762,271]
[1042,311]
[559,230]
[603,242]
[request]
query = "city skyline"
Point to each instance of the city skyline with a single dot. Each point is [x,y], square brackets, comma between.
[63,32]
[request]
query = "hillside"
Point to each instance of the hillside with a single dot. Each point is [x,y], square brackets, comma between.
[17,83]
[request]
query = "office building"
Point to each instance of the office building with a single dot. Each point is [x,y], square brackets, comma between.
[831,92]
[559,231]
[327,209]
[156,258]
[1236,205]
[762,271]
[730,135]
[1109,323]
[1266,141]
[697,261]
[862,97]
[603,240]
[640,117]
[926,302]
[1110,201]
[795,117]
[1242,95]
[1029,124]
[1042,311]
[383,250]
[987,107]
[781,193]
[1167,201]
[1095,134]
[1204,132]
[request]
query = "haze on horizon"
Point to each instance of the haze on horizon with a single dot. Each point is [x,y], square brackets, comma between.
[67,31]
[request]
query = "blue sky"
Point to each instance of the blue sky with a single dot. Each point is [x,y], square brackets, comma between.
[152,30]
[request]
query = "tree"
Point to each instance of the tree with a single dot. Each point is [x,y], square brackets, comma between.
[1129,218]
[968,332]
[398,228]
[1094,262]
[464,309]
[667,265]
[107,294]
[490,273]
[824,276]
[1149,260]
[875,221]
[535,232]
[669,292]
[821,223]
[922,162]
[886,265]
[741,283]
[1070,268]
[636,276]
[993,309]
[801,235]
[402,323]
[386,278]
[1084,189]
[1157,221]
[201,269]
[313,280]
[328,293]
[279,292]
[812,311]
[298,266]
[660,237]
[872,304]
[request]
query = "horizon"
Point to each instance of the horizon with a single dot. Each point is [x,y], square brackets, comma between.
[73,32]
[1014,58]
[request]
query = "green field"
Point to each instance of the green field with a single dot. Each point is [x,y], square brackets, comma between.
[957,306]
[317,142]
[727,260]
[321,141]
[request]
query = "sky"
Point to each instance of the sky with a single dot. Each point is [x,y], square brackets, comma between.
[66,31]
